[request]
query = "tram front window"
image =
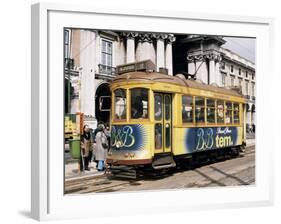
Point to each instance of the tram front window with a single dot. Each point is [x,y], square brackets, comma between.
[228,113]
[199,109]
[187,109]
[120,104]
[236,113]
[220,111]
[139,103]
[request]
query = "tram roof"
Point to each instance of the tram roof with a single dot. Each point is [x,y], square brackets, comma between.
[159,77]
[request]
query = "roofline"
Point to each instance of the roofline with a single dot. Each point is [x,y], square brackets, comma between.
[174,80]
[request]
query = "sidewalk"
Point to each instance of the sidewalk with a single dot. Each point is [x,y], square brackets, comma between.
[72,171]
[250,142]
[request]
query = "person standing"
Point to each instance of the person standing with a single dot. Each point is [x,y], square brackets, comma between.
[85,148]
[101,147]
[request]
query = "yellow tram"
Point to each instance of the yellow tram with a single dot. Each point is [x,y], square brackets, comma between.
[158,120]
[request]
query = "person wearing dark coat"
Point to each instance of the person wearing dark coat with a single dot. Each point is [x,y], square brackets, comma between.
[85,149]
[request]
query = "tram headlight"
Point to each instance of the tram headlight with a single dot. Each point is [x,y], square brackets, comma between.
[118,144]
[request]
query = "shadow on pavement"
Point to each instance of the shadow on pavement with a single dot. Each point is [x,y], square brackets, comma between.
[230,176]
[213,181]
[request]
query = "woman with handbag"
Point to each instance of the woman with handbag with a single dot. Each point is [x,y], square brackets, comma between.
[101,147]
[85,148]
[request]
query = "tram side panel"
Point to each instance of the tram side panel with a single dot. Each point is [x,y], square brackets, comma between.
[198,139]
[131,143]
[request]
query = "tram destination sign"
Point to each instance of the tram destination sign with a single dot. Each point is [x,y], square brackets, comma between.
[146,65]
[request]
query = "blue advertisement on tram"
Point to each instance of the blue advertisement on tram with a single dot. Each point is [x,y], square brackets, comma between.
[199,139]
[128,137]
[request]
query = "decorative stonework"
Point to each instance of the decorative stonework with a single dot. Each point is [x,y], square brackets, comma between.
[129,35]
[203,57]
[161,36]
[190,58]
[145,37]
[171,38]
[195,58]
[213,56]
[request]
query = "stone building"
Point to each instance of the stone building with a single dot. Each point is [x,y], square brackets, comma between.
[204,58]
[91,58]
[238,71]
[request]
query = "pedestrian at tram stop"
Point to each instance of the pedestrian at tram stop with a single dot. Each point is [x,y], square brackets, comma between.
[85,148]
[101,147]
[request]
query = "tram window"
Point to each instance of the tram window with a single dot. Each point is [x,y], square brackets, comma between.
[220,111]
[199,109]
[236,113]
[228,113]
[187,109]
[167,107]
[120,104]
[158,136]
[211,111]
[158,107]
[139,103]
[168,134]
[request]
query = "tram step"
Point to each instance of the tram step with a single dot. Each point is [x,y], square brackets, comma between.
[163,161]
[164,166]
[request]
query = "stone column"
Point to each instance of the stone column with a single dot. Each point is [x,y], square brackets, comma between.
[144,46]
[87,72]
[201,69]
[204,71]
[160,50]
[212,71]
[130,51]
[121,51]
[198,64]
[169,53]
[218,74]
[190,64]
[214,68]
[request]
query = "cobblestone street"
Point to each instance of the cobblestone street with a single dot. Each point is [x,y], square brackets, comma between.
[230,172]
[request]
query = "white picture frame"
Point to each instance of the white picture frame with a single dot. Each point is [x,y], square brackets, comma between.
[48,201]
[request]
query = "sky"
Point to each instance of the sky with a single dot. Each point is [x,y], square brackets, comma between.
[244,47]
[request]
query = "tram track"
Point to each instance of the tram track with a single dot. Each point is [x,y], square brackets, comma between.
[229,172]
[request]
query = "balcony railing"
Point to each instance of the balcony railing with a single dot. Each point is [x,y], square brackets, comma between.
[107,70]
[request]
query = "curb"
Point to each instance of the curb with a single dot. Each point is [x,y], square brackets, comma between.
[85,176]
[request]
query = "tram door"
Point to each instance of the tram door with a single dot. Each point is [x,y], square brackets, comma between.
[163,122]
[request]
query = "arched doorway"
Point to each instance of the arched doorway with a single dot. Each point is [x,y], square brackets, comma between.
[103,103]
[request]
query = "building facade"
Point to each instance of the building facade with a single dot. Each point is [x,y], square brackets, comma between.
[206,60]
[237,71]
[91,58]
